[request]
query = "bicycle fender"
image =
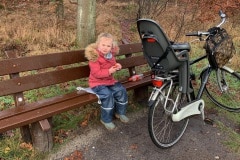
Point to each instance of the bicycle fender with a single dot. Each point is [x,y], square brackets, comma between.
[228,69]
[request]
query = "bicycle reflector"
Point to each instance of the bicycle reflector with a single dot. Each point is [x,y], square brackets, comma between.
[157,82]
[151,40]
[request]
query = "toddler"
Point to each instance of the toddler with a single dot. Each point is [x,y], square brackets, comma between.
[112,94]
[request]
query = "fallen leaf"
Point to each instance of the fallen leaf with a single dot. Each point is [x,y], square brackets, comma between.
[27,146]
[6,150]
[84,123]
[134,146]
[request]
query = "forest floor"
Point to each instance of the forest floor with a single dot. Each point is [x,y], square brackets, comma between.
[131,141]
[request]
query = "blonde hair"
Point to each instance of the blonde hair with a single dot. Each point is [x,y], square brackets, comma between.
[106,35]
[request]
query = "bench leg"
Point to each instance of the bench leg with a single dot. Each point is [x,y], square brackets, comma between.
[42,140]
[141,94]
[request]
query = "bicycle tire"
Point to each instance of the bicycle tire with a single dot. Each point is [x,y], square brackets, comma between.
[229,98]
[163,131]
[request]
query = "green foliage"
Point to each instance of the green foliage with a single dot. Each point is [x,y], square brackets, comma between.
[12,148]
[6,102]
[234,138]
[68,120]
[43,93]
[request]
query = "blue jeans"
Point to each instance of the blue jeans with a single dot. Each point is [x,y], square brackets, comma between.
[113,98]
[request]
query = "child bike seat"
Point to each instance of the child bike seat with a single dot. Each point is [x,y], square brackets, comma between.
[158,50]
[163,55]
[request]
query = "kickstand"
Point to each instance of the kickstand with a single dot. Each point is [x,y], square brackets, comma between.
[201,108]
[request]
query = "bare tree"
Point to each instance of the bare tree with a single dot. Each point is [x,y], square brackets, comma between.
[86,22]
[60,9]
[151,8]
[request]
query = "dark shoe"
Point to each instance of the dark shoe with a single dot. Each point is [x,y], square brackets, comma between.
[109,126]
[122,118]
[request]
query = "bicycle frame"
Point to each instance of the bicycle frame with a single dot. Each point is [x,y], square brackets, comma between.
[160,93]
[172,101]
[204,75]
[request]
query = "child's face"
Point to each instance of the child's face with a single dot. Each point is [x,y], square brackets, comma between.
[105,45]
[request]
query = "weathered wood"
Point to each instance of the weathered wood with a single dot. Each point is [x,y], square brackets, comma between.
[45,125]
[38,80]
[28,73]
[42,140]
[19,99]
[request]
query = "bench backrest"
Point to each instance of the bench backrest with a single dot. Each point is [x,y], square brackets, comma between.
[27,73]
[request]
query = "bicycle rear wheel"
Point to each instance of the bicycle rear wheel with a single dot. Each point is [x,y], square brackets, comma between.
[223,89]
[163,131]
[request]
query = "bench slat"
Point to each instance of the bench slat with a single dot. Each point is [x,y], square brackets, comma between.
[22,64]
[130,48]
[35,105]
[20,84]
[45,112]
[25,83]
[132,61]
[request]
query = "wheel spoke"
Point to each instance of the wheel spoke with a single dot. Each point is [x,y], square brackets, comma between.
[229,97]
[163,131]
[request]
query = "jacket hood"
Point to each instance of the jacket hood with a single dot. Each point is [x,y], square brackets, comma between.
[91,52]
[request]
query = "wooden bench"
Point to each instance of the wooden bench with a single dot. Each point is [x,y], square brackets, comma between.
[20,75]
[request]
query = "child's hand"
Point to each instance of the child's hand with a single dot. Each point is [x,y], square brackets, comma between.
[115,48]
[115,68]
[118,66]
[112,70]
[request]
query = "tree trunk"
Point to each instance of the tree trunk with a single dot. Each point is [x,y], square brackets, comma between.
[60,10]
[86,21]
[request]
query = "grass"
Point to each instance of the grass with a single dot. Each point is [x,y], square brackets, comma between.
[233,140]
[229,127]
[14,149]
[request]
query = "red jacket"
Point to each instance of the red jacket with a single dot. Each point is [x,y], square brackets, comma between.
[99,67]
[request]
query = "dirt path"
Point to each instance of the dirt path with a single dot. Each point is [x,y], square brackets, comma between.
[132,142]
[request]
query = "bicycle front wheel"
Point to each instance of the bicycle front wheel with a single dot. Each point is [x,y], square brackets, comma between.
[223,89]
[163,131]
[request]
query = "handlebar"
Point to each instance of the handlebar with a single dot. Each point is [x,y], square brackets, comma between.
[200,33]
[223,17]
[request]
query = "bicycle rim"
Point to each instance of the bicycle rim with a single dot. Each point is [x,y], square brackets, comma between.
[163,131]
[229,97]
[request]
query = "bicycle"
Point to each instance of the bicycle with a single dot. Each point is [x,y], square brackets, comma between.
[173,101]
